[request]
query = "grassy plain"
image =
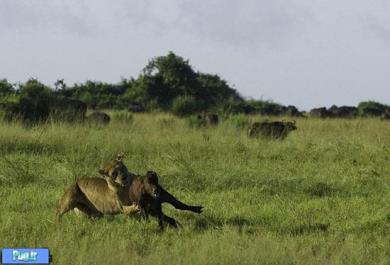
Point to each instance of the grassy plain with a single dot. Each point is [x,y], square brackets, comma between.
[321,196]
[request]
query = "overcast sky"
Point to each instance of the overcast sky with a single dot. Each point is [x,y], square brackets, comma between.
[299,52]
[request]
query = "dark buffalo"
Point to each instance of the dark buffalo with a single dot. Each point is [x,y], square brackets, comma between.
[334,112]
[98,118]
[274,129]
[343,111]
[140,190]
[320,113]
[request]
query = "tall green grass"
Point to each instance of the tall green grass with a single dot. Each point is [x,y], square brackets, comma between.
[321,196]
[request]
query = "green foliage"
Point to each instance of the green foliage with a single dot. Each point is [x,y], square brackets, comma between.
[11,112]
[232,106]
[99,95]
[239,121]
[195,122]
[266,107]
[123,116]
[6,87]
[372,108]
[185,106]
[67,110]
[167,83]
[34,102]
[167,78]
[213,91]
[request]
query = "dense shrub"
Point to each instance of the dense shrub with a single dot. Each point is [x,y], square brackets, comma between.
[166,83]
[123,116]
[235,107]
[11,112]
[67,109]
[6,87]
[239,121]
[185,106]
[372,109]
[34,102]
[194,122]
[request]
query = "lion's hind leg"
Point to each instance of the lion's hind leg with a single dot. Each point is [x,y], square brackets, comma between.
[73,198]
[81,208]
[68,201]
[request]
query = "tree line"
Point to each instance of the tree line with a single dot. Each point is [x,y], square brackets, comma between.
[167,83]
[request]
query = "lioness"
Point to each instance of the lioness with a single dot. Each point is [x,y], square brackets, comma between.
[98,196]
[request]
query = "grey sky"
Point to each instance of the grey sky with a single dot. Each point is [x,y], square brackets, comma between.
[305,53]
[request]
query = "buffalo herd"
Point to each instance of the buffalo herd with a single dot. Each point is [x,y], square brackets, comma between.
[72,110]
[335,112]
[61,109]
[373,110]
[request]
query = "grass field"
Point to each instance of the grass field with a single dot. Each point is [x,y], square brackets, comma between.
[321,196]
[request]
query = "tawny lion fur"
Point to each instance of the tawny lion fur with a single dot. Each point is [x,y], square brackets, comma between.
[98,196]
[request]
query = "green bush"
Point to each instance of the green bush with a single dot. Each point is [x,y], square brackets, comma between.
[11,112]
[6,87]
[122,116]
[372,109]
[185,106]
[67,110]
[233,106]
[195,122]
[239,121]
[34,102]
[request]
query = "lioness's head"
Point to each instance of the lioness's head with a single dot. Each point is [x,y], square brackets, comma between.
[150,184]
[116,170]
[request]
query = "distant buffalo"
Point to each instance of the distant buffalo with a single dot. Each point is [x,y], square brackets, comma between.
[343,111]
[335,112]
[98,118]
[274,129]
[208,119]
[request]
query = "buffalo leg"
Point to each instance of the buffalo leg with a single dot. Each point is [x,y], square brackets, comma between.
[165,196]
[156,211]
